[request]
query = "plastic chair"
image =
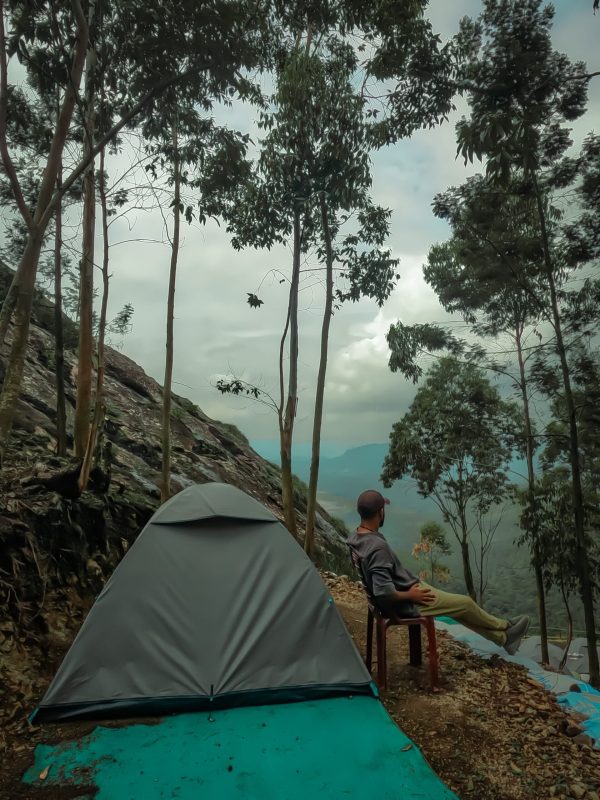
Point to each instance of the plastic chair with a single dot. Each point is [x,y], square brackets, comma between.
[376,618]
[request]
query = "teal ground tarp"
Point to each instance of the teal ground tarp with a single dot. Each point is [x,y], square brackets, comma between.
[325,749]
[586,702]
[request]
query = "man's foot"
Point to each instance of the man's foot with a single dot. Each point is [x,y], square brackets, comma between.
[517,628]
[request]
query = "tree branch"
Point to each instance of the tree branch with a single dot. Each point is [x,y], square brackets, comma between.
[160,87]
[44,208]
[9,167]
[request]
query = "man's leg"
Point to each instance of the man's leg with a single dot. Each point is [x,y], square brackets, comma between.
[466,611]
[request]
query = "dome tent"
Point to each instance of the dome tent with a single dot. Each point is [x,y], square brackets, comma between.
[214,605]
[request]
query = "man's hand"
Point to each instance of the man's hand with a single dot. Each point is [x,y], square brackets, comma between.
[419,595]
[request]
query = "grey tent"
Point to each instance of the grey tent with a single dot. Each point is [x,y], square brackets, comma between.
[579,659]
[214,605]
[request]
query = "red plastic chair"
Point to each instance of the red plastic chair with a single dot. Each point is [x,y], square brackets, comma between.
[377,618]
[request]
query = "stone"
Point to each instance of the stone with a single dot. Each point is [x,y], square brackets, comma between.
[583,740]
[573,730]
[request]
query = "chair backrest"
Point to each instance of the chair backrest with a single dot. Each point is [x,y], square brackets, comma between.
[357,563]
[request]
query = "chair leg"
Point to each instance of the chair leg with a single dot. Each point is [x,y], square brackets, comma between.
[414,645]
[433,654]
[369,654]
[381,654]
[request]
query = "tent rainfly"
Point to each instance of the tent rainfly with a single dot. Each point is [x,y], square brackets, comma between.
[214,605]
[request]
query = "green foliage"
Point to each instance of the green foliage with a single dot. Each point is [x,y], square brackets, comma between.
[317,145]
[254,301]
[456,442]
[435,535]
[121,323]
[456,438]
[431,545]
[518,127]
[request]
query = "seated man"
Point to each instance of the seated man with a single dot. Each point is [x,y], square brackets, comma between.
[395,589]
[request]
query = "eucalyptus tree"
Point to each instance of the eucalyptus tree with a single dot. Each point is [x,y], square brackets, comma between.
[489,272]
[219,40]
[456,441]
[527,94]
[312,174]
[203,163]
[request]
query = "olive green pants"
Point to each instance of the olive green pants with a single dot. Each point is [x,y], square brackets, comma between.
[466,611]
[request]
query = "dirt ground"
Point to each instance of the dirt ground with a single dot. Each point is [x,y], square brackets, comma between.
[491,733]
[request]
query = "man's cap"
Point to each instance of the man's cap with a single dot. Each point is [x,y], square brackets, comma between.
[371,500]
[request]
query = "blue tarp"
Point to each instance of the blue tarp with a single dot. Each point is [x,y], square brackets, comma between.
[325,749]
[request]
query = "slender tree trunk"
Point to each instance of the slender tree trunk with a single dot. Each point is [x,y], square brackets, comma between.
[287,489]
[8,307]
[464,538]
[86,283]
[481,571]
[59,345]
[309,538]
[99,399]
[11,386]
[468,573]
[287,433]
[165,488]
[585,579]
[532,522]
[565,598]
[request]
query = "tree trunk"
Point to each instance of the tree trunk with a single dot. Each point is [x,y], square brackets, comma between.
[464,537]
[59,347]
[8,307]
[86,282]
[165,488]
[99,400]
[318,418]
[11,386]
[481,571]
[563,660]
[532,521]
[468,573]
[287,431]
[585,579]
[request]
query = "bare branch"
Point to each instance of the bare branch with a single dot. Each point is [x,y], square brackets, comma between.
[9,167]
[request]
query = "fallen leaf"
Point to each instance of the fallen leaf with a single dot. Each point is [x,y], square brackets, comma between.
[44,773]
[406,747]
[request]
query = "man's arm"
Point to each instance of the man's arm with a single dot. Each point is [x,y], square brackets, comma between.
[380,567]
[416,594]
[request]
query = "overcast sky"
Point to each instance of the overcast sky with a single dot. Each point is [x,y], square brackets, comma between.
[217,332]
